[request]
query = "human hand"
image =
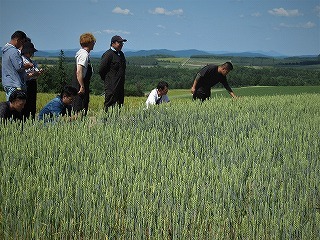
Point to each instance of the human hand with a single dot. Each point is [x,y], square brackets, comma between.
[28,65]
[193,89]
[82,90]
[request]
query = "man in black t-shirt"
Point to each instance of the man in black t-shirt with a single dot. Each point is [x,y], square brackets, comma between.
[209,76]
[12,109]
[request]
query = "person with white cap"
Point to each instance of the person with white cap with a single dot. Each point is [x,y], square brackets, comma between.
[112,71]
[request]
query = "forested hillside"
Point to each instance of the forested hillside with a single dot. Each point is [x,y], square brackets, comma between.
[143,73]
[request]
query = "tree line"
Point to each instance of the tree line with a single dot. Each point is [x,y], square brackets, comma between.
[143,74]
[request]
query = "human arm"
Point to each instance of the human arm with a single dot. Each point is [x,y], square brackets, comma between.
[195,82]
[79,73]
[228,88]
[232,95]
[105,65]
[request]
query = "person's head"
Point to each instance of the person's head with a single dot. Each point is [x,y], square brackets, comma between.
[117,42]
[225,68]
[162,88]
[18,38]
[87,40]
[17,100]
[28,49]
[68,94]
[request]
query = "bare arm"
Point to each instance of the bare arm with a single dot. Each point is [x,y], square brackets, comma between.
[80,78]
[233,95]
[195,82]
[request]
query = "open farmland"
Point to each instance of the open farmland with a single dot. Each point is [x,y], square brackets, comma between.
[224,169]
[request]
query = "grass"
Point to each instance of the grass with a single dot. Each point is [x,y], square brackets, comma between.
[96,102]
[223,169]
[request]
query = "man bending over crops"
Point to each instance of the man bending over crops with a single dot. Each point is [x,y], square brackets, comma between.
[12,109]
[60,105]
[209,76]
[158,95]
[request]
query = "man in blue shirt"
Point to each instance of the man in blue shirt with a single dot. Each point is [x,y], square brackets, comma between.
[60,105]
[13,68]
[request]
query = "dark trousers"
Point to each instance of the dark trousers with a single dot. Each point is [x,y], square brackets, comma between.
[111,99]
[200,95]
[30,108]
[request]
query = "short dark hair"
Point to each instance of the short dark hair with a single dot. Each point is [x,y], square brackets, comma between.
[161,85]
[17,94]
[19,34]
[69,91]
[228,66]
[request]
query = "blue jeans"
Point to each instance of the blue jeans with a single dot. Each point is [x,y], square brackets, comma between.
[10,90]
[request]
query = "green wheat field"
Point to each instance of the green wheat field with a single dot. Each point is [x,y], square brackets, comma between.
[245,168]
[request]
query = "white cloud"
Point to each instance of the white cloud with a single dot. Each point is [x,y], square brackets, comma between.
[256,14]
[301,25]
[177,33]
[118,10]
[285,13]
[112,31]
[161,26]
[317,9]
[162,11]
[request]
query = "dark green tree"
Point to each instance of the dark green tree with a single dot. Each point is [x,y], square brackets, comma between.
[62,75]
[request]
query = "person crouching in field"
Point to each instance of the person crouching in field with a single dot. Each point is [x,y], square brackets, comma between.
[209,76]
[158,95]
[11,110]
[60,105]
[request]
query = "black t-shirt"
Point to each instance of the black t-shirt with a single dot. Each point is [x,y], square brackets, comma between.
[209,76]
[6,113]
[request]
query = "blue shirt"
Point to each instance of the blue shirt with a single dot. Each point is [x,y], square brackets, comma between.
[54,108]
[13,73]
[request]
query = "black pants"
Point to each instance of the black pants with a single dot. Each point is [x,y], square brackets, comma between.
[200,95]
[31,104]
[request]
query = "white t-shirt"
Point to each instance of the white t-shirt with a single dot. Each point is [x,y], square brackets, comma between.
[154,97]
[82,58]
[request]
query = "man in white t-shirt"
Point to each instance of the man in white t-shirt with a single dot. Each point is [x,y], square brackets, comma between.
[83,73]
[158,95]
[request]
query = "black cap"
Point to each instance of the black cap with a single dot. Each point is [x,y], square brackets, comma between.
[28,47]
[117,38]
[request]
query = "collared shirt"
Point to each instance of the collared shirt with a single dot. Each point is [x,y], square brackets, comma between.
[154,98]
[54,108]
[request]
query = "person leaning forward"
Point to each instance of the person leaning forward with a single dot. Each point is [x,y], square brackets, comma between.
[209,76]
[11,110]
[112,72]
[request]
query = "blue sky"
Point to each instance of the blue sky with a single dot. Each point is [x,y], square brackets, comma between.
[290,27]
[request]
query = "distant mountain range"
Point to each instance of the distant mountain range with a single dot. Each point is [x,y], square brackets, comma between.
[166,52]
[174,53]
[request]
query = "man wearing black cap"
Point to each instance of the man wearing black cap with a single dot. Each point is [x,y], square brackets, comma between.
[31,76]
[112,72]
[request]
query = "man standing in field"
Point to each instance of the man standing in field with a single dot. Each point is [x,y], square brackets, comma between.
[13,69]
[112,72]
[209,76]
[83,73]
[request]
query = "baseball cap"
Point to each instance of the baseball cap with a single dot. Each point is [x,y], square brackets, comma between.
[117,38]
